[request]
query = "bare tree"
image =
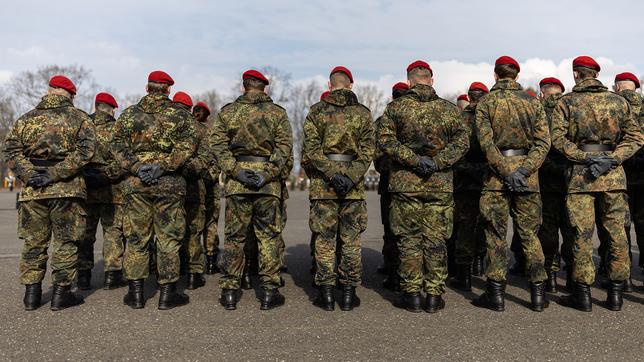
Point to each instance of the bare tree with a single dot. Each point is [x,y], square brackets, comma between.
[7,117]
[300,98]
[372,97]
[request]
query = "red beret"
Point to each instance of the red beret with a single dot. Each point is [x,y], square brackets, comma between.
[252,73]
[478,86]
[463,97]
[107,99]
[341,69]
[419,64]
[585,61]
[552,80]
[183,98]
[203,105]
[506,60]
[400,86]
[60,81]
[532,93]
[628,76]
[324,95]
[159,76]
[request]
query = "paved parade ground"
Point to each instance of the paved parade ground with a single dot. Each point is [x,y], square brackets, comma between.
[104,329]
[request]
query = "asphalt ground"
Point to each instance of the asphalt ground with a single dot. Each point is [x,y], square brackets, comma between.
[104,329]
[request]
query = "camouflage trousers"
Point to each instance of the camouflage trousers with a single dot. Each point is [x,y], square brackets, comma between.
[468,226]
[111,218]
[636,207]
[333,222]
[251,248]
[210,231]
[192,252]
[390,254]
[554,222]
[148,217]
[247,214]
[56,222]
[422,223]
[610,207]
[525,209]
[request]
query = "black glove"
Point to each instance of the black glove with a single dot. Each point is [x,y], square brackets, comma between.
[150,173]
[247,177]
[341,184]
[599,165]
[516,181]
[40,179]
[259,180]
[426,166]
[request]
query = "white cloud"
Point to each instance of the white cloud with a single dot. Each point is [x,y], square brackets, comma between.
[5,75]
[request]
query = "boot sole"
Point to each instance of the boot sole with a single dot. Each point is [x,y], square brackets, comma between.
[269,306]
[30,308]
[56,309]
[168,307]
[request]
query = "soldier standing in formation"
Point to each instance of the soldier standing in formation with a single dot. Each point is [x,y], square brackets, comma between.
[338,148]
[47,149]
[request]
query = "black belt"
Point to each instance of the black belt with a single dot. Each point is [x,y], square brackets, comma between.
[514,152]
[340,158]
[596,147]
[252,159]
[38,162]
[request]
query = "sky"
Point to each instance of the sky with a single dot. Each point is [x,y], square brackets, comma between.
[208,44]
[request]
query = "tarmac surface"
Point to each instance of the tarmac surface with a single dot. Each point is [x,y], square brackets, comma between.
[104,329]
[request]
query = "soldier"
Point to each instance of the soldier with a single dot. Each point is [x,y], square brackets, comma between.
[424,137]
[104,202]
[469,174]
[338,148]
[513,133]
[201,111]
[153,139]
[252,140]
[596,131]
[192,253]
[47,149]
[462,102]
[390,255]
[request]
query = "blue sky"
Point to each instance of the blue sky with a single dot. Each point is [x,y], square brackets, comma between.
[207,44]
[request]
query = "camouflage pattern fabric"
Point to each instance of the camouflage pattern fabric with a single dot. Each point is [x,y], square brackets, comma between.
[210,233]
[382,163]
[259,214]
[468,227]
[111,219]
[636,206]
[58,223]
[422,222]
[336,222]
[104,162]
[192,251]
[555,221]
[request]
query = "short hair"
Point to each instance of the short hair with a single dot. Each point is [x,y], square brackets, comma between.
[158,87]
[397,93]
[253,84]
[419,74]
[585,73]
[339,80]
[104,107]
[505,71]
[476,94]
[546,87]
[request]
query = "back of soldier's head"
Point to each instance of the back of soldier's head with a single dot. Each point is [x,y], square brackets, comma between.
[161,88]
[506,71]
[420,75]
[625,85]
[339,80]
[581,73]
[475,95]
[253,84]
[550,89]
[397,93]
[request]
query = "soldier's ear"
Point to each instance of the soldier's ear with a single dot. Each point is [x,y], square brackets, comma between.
[328,84]
[167,91]
[517,77]
[431,81]
[496,77]
[350,86]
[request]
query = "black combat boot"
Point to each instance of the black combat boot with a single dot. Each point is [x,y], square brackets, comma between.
[551,283]
[271,298]
[580,298]
[170,298]
[211,264]
[412,302]
[246,281]
[113,280]
[84,280]
[463,279]
[33,296]
[493,298]
[478,266]
[614,300]
[134,297]
[349,298]
[326,297]
[392,282]
[628,285]
[434,303]
[229,298]
[195,280]
[538,299]
[64,298]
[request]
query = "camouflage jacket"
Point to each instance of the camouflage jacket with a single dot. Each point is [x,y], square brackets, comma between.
[634,166]
[195,170]
[552,174]
[590,114]
[252,126]
[510,118]
[337,125]
[382,164]
[54,131]
[471,170]
[105,162]
[422,124]
[154,132]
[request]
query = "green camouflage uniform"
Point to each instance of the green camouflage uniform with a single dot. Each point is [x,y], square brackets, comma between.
[592,115]
[337,125]
[511,119]
[469,174]
[61,138]
[104,202]
[390,254]
[422,208]
[154,132]
[252,126]
[213,203]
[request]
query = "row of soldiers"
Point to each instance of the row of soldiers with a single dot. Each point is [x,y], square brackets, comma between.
[442,168]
